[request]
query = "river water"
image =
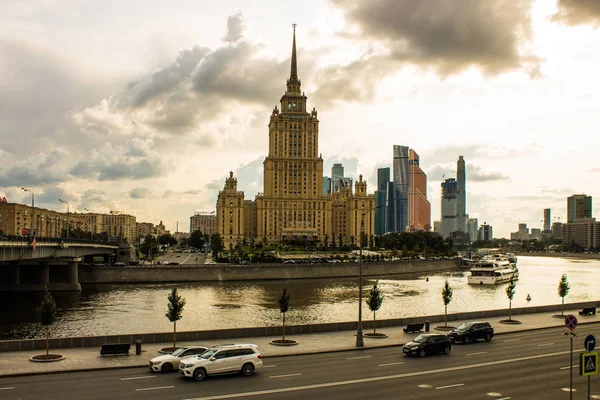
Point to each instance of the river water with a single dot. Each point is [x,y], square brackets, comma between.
[122,309]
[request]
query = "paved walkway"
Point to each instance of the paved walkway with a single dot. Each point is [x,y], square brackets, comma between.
[88,358]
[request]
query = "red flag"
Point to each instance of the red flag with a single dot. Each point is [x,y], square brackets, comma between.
[33,243]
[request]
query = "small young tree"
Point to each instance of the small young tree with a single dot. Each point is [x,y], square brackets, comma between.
[284,304]
[563,291]
[510,293]
[374,301]
[175,308]
[447,298]
[46,314]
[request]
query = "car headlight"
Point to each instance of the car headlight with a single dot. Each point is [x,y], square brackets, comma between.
[156,362]
[415,348]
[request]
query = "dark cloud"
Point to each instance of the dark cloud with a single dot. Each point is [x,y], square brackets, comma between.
[136,160]
[38,170]
[236,25]
[576,12]
[474,173]
[140,193]
[448,36]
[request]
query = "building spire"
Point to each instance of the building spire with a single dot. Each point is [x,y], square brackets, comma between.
[294,71]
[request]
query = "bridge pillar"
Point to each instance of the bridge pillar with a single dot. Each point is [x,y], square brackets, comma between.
[15,273]
[73,272]
[44,272]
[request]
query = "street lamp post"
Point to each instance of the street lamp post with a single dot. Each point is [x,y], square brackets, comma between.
[31,231]
[68,212]
[359,331]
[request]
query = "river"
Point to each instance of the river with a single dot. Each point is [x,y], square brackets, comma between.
[121,309]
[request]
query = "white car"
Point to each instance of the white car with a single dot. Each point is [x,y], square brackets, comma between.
[169,362]
[222,359]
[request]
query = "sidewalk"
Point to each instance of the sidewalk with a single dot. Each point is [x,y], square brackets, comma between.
[88,358]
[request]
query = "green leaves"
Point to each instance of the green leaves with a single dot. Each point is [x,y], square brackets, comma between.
[510,289]
[563,286]
[375,298]
[284,301]
[447,293]
[46,312]
[175,306]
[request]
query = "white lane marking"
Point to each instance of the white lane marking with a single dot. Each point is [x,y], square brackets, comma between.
[357,358]
[545,344]
[424,386]
[284,376]
[138,377]
[449,386]
[396,363]
[494,394]
[511,340]
[382,378]
[568,390]
[154,388]
[476,354]
[7,388]
[574,366]
[269,366]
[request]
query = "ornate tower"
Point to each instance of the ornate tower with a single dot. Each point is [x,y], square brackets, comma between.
[230,213]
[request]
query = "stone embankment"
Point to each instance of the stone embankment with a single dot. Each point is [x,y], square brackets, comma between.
[565,255]
[215,272]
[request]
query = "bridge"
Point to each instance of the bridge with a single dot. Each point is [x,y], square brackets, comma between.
[33,265]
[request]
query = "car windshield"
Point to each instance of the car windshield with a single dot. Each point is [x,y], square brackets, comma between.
[465,326]
[178,351]
[420,339]
[208,354]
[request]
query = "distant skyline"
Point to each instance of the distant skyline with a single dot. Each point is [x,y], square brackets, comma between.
[145,108]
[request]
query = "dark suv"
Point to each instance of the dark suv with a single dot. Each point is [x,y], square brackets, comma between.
[428,343]
[471,331]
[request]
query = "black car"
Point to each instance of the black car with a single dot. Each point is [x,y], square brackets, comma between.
[428,343]
[471,331]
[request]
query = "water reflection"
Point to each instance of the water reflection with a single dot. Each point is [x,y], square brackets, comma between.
[113,309]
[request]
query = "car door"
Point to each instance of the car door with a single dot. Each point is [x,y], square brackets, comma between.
[477,331]
[187,353]
[218,363]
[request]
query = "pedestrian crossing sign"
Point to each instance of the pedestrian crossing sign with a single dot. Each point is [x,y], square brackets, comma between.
[588,365]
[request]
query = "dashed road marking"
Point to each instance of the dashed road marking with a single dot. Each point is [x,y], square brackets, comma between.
[138,377]
[394,363]
[476,354]
[545,344]
[357,358]
[449,386]
[154,388]
[574,366]
[511,340]
[269,366]
[425,386]
[284,376]
[7,388]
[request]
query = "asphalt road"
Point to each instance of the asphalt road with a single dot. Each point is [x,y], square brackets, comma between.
[524,365]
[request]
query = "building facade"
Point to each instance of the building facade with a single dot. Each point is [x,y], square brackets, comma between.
[449,214]
[547,219]
[579,206]
[400,179]
[292,205]
[205,222]
[419,208]
[381,200]
[461,189]
[584,232]
[485,232]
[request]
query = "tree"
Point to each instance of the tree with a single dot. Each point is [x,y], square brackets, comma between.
[196,239]
[175,308]
[374,301]
[510,293]
[447,298]
[46,314]
[216,244]
[563,291]
[284,304]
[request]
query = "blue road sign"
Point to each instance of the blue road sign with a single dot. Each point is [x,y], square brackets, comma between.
[571,321]
[589,343]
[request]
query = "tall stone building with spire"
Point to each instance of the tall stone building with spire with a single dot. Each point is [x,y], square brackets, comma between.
[292,205]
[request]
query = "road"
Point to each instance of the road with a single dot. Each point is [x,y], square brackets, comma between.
[183,258]
[524,365]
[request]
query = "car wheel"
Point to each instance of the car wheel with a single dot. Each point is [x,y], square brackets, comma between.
[447,350]
[468,339]
[488,337]
[166,367]
[247,369]
[199,374]
[422,353]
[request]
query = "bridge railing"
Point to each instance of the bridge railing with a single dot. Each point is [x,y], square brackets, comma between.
[13,239]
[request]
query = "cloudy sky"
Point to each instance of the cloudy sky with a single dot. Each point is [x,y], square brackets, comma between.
[145,106]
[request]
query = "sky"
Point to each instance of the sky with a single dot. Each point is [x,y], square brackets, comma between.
[145,106]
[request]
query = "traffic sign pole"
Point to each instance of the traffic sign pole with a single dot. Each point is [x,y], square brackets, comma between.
[571,370]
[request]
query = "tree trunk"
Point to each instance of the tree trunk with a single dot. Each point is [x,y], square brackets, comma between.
[174,335]
[283,327]
[47,342]
[509,309]
[446,315]
[374,322]
[562,307]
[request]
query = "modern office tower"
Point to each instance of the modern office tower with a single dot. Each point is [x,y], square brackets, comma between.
[547,219]
[449,207]
[535,234]
[337,177]
[326,185]
[579,206]
[523,228]
[557,230]
[584,232]
[292,206]
[472,225]
[461,188]
[437,227]
[381,200]
[401,185]
[419,208]
[485,232]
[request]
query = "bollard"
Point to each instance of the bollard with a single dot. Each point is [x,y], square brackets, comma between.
[426,326]
[138,347]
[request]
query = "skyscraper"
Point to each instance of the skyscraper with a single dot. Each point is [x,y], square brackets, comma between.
[381,200]
[337,177]
[461,188]
[449,207]
[401,185]
[547,219]
[419,208]
[579,206]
